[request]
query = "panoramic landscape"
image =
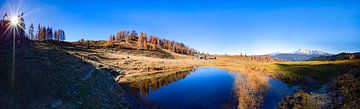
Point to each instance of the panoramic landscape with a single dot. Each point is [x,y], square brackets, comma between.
[167,54]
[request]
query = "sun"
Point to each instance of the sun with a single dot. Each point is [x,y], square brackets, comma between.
[14,20]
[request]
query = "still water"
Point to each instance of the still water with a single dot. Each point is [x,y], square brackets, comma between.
[276,92]
[201,88]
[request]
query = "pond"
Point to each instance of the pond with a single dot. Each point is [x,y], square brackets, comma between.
[204,87]
[276,92]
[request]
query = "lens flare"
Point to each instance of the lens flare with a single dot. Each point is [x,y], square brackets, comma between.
[14,20]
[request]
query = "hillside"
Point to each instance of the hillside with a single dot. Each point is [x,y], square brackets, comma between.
[47,72]
[341,56]
[63,74]
[130,60]
[324,84]
[46,76]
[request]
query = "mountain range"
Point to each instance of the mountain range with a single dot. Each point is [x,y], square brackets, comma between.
[299,55]
[340,56]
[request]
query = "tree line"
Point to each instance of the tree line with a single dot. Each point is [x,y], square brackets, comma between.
[149,42]
[45,33]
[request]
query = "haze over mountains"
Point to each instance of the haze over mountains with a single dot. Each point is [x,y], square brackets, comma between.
[299,55]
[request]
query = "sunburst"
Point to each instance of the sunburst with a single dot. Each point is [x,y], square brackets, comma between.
[16,18]
[14,27]
[15,24]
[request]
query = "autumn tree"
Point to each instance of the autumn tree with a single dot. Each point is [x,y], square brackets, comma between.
[158,42]
[153,41]
[145,42]
[42,33]
[56,36]
[141,41]
[127,40]
[132,35]
[121,35]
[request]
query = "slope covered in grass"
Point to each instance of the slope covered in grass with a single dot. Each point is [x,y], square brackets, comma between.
[320,71]
[46,76]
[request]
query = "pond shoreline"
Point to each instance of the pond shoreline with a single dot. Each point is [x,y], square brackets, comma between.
[192,79]
[144,103]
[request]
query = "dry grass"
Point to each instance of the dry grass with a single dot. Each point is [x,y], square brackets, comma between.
[144,65]
[251,80]
[132,63]
[250,83]
[321,71]
[291,72]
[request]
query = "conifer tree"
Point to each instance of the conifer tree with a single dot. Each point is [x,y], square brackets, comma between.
[31,32]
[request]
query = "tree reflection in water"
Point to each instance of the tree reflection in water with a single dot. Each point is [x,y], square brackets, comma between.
[154,82]
[250,86]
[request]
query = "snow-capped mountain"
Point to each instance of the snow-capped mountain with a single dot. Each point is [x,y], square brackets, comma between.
[299,55]
[310,52]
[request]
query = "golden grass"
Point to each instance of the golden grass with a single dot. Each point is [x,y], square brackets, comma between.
[139,65]
[290,72]
[322,71]
[250,83]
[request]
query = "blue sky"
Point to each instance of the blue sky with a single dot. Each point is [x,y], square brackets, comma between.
[214,26]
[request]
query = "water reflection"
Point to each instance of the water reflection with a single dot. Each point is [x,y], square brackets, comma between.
[208,87]
[276,92]
[199,88]
[154,81]
[256,90]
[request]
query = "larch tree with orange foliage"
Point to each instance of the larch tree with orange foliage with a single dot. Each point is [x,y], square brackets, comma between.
[145,42]
[140,40]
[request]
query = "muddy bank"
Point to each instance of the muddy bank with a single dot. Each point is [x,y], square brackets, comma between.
[342,92]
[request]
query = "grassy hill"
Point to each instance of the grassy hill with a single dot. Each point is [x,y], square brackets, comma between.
[46,76]
[321,71]
[341,56]
[86,74]
[74,74]
[129,60]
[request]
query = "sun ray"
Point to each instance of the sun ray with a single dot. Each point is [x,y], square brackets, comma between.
[7,29]
[32,11]
[18,7]
[11,10]
[15,24]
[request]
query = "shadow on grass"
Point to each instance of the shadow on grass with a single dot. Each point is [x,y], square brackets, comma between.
[305,73]
[49,77]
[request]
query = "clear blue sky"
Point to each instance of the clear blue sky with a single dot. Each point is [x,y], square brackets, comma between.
[214,26]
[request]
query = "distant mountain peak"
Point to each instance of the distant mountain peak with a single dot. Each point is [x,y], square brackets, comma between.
[310,52]
[299,55]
